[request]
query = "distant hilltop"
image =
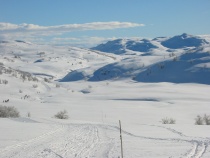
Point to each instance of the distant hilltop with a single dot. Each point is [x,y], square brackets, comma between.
[119,46]
[180,59]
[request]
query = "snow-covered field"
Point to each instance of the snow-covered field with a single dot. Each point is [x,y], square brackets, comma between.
[95,108]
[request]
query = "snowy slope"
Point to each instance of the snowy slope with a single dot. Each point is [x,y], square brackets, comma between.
[190,67]
[49,61]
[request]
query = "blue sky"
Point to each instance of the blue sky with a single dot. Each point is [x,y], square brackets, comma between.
[118,19]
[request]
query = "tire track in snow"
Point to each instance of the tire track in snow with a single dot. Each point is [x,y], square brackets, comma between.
[62,147]
[198,150]
[68,141]
[89,140]
[171,130]
[199,146]
[14,149]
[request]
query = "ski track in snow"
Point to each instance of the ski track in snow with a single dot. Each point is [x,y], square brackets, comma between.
[89,140]
[67,141]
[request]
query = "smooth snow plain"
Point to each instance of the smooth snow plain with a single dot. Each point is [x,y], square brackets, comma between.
[95,108]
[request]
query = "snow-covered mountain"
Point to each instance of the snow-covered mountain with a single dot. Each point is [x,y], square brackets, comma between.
[179,59]
[183,41]
[185,59]
[120,46]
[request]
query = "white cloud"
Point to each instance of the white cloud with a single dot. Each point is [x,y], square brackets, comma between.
[34,32]
[60,29]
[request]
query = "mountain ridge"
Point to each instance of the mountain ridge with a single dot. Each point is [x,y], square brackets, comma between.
[154,63]
[119,46]
[159,64]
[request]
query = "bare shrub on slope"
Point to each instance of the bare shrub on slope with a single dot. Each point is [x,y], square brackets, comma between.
[199,120]
[168,121]
[206,119]
[62,115]
[8,111]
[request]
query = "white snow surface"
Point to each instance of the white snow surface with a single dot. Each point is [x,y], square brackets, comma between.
[94,108]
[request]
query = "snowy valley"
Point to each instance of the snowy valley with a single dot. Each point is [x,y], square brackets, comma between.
[138,81]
